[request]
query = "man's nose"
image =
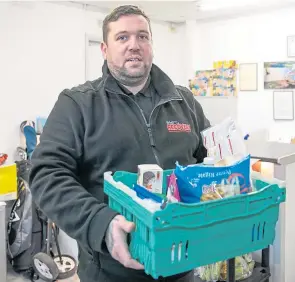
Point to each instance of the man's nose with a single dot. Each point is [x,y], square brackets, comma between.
[134,44]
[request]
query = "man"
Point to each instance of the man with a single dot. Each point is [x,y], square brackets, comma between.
[132,115]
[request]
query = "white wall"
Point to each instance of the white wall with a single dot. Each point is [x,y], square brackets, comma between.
[254,38]
[43,52]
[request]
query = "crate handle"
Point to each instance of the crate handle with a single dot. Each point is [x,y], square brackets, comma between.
[257,176]
[167,216]
[128,192]
[119,185]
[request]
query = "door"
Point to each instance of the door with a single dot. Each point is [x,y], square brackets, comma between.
[93,58]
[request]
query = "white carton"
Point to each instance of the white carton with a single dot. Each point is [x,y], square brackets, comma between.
[150,176]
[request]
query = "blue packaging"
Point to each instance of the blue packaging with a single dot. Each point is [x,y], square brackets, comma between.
[194,180]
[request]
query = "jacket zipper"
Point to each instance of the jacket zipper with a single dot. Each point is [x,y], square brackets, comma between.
[148,124]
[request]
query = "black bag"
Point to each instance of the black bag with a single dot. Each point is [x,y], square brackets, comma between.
[26,230]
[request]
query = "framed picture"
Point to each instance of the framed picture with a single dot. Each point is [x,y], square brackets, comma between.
[279,75]
[291,46]
[283,105]
[248,77]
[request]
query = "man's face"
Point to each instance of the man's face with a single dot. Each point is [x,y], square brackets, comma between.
[128,49]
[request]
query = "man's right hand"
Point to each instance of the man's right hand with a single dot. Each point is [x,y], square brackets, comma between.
[116,241]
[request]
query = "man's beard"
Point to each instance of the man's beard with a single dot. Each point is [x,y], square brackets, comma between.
[124,77]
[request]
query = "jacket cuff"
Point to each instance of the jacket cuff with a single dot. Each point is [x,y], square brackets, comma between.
[98,227]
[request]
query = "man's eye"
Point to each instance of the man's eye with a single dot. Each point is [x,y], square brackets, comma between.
[122,38]
[143,37]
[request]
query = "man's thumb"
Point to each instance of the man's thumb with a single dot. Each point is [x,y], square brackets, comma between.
[126,225]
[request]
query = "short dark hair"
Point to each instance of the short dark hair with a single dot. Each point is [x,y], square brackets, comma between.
[118,12]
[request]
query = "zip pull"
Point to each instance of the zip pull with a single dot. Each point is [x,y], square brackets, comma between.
[150,135]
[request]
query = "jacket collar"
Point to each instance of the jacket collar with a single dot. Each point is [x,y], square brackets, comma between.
[161,82]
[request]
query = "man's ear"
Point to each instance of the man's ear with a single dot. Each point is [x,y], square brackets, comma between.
[103,48]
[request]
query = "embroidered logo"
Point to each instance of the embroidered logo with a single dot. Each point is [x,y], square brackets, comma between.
[175,126]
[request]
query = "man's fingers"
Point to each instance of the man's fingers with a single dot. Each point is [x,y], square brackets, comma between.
[126,259]
[119,249]
[131,263]
[127,226]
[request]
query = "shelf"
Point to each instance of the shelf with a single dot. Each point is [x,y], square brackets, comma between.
[260,274]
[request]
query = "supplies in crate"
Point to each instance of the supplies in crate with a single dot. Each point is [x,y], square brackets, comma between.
[224,173]
[225,143]
[200,182]
[150,176]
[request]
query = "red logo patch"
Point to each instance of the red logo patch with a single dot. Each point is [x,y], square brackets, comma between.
[175,126]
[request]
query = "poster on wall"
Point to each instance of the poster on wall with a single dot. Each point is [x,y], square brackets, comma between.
[283,105]
[279,75]
[291,46]
[201,84]
[248,77]
[220,81]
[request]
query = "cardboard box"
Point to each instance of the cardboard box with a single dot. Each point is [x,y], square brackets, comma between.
[150,176]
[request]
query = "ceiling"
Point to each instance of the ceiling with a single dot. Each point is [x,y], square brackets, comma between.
[180,11]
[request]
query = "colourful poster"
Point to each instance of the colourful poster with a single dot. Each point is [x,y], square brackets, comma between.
[221,81]
[279,75]
[201,84]
[224,81]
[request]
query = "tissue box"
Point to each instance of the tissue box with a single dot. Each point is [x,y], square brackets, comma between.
[150,177]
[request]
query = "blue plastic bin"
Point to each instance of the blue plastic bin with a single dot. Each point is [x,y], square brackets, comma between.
[185,236]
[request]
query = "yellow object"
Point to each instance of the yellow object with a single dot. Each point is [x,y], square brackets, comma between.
[8,182]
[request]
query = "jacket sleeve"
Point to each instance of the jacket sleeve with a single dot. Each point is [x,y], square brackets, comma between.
[54,178]
[203,123]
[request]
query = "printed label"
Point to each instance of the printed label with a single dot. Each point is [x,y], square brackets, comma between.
[175,126]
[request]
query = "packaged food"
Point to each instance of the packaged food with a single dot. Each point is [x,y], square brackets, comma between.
[198,180]
[172,189]
[225,142]
[150,176]
[210,273]
[244,266]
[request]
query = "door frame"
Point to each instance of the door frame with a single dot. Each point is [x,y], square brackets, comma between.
[88,39]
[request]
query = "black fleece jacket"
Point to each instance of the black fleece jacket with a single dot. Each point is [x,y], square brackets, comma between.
[96,127]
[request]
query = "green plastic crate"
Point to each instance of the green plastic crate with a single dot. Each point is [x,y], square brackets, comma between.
[185,236]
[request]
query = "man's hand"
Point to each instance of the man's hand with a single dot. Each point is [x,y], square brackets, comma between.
[116,241]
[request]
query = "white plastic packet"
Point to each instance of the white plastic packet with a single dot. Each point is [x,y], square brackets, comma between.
[224,142]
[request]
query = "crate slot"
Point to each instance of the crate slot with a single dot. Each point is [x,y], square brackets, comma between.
[186,250]
[147,235]
[263,230]
[179,251]
[122,210]
[173,253]
[258,233]
[253,232]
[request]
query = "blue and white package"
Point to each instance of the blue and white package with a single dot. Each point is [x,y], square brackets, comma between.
[195,180]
